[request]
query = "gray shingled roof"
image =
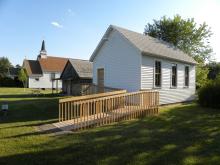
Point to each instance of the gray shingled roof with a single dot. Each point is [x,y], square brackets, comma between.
[82,67]
[151,46]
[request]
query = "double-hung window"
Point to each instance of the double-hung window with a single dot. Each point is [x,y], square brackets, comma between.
[186,76]
[174,75]
[157,73]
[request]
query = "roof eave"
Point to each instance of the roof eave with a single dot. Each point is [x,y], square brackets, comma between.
[163,57]
[110,28]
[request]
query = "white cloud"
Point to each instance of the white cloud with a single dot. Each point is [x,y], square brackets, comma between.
[56,24]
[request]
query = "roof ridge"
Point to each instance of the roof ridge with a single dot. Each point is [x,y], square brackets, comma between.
[115,26]
[130,36]
[162,41]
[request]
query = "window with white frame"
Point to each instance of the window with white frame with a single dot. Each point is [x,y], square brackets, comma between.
[174,75]
[157,74]
[186,76]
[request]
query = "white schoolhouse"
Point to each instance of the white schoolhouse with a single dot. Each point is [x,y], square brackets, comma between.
[133,61]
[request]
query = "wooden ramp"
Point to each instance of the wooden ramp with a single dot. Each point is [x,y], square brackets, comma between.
[77,113]
[106,117]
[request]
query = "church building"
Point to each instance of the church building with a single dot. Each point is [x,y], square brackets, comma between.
[43,71]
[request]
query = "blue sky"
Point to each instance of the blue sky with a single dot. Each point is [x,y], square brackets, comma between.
[74,28]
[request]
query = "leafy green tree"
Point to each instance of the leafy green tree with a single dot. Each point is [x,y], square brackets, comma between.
[4,66]
[22,76]
[186,35]
[214,70]
[201,75]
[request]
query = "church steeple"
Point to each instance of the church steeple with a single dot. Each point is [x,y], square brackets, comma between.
[43,52]
[43,46]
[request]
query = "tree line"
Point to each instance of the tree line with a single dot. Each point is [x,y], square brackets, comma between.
[6,80]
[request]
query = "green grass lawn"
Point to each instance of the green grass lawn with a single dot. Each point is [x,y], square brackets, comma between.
[180,134]
[16,91]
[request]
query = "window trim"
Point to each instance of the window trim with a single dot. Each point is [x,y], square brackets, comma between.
[154,75]
[171,76]
[184,82]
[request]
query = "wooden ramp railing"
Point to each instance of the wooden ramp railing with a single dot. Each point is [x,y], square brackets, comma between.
[84,113]
[95,89]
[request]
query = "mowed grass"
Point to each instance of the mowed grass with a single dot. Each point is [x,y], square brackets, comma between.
[180,134]
[27,91]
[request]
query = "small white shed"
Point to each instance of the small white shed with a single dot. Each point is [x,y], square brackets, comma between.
[133,61]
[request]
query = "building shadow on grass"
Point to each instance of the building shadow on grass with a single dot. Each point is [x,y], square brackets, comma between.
[184,135]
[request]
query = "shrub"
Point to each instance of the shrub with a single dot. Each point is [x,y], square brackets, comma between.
[209,95]
[8,82]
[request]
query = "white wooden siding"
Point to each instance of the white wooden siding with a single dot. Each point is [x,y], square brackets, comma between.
[168,94]
[121,63]
[44,81]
